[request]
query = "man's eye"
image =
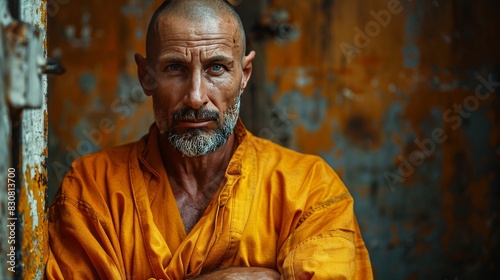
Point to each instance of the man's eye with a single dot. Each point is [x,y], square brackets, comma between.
[174,67]
[217,68]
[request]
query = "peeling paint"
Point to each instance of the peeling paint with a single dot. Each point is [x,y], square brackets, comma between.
[32,195]
[34,223]
[5,139]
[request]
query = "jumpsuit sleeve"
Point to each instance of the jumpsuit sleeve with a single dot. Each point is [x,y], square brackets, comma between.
[83,244]
[326,243]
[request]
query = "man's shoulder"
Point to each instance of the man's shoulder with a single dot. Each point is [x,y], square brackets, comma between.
[293,172]
[266,149]
[116,156]
[272,157]
[93,178]
[102,169]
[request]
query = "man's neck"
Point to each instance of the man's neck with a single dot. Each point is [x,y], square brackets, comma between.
[195,174]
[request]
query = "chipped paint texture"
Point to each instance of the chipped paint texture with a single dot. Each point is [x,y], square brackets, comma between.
[32,195]
[374,87]
[21,86]
[5,139]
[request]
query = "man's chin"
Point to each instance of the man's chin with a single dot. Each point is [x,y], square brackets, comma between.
[196,143]
[189,133]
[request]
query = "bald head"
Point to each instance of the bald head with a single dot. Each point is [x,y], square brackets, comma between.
[198,11]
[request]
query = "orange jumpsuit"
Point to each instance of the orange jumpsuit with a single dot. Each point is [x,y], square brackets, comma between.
[115,217]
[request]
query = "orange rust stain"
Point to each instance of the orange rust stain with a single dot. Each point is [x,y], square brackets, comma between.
[408,226]
[425,230]
[395,241]
[394,229]
[340,171]
[369,60]
[309,139]
[412,276]
[45,124]
[364,191]
[34,242]
[43,11]
[108,55]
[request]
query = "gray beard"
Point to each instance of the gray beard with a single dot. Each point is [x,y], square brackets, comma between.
[198,142]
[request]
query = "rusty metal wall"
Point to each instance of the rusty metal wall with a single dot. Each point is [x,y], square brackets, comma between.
[400,97]
[98,102]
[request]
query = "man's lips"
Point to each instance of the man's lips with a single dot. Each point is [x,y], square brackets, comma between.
[194,122]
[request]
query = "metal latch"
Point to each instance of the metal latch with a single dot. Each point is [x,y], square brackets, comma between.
[25,62]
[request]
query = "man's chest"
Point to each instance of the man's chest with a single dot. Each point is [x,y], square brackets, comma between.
[190,210]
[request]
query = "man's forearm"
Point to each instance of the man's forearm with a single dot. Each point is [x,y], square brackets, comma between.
[241,273]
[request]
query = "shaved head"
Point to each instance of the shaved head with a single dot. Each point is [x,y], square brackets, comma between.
[195,11]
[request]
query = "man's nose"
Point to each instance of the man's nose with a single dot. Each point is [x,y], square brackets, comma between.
[196,95]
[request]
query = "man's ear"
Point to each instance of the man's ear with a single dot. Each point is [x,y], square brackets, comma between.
[247,69]
[144,73]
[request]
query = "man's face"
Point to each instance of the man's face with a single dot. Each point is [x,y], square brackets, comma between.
[199,77]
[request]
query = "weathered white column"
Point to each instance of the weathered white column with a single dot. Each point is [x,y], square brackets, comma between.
[34,153]
[23,141]
[5,155]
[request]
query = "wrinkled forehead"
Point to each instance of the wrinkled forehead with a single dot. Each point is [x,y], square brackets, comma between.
[173,31]
[197,39]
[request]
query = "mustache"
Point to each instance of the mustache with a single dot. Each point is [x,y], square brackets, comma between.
[198,114]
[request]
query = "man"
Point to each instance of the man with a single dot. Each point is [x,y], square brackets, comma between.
[199,196]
